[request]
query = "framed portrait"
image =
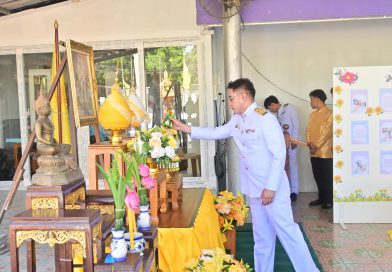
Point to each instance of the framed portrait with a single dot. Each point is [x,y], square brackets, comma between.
[360,163]
[359,132]
[83,83]
[385,131]
[359,101]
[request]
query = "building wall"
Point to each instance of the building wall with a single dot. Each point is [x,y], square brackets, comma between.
[300,57]
[101,20]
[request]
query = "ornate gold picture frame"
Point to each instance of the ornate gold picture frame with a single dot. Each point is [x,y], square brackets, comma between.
[83,83]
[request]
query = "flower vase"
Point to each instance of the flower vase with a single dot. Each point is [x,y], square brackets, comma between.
[139,242]
[230,244]
[119,247]
[143,220]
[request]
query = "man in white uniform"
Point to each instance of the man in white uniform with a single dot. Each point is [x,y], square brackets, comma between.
[287,114]
[260,141]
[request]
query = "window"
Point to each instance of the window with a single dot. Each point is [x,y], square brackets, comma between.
[172,85]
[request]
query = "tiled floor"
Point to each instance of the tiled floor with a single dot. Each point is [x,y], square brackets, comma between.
[363,247]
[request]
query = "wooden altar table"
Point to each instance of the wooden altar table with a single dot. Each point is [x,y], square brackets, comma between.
[54,227]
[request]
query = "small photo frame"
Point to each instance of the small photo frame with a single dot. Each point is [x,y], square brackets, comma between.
[83,83]
[359,101]
[359,132]
[360,163]
[386,162]
[386,99]
[385,131]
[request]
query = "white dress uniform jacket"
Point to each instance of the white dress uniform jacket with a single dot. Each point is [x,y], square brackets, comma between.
[260,141]
[262,150]
[288,115]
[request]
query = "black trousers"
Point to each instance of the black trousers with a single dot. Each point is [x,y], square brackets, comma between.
[323,174]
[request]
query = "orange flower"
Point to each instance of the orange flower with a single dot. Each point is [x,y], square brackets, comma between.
[339,103]
[337,89]
[338,132]
[378,110]
[338,149]
[338,179]
[369,111]
[338,118]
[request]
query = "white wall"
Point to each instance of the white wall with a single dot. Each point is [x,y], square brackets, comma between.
[101,20]
[299,58]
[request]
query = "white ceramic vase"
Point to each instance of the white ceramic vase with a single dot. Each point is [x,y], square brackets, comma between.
[143,220]
[138,240]
[119,246]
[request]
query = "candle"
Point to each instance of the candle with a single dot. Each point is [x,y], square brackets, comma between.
[131,219]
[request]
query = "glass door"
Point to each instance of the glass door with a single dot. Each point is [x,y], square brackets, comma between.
[9,118]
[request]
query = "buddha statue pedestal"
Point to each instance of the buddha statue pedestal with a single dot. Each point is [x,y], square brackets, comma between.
[69,196]
[55,171]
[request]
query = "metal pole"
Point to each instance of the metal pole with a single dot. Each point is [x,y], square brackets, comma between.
[233,71]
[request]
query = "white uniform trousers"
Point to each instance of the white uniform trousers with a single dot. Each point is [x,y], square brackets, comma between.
[294,184]
[276,219]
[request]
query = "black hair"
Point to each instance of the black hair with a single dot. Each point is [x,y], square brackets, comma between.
[319,94]
[269,100]
[244,83]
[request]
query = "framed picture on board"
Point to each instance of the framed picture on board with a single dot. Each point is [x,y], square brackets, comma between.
[83,83]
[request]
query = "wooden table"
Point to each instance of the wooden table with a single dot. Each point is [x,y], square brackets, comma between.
[54,227]
[108,151]
[193,157]
[134,263]
[68,196]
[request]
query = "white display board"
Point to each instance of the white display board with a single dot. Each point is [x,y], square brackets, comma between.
[362,98]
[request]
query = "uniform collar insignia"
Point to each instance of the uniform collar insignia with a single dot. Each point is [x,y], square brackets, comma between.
[260,111]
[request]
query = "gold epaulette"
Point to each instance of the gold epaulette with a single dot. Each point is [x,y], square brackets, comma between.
[260,111]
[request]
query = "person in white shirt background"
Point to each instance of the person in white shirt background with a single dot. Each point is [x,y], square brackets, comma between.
[287,114]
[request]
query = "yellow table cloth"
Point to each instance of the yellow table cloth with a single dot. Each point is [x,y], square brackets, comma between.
[178,245]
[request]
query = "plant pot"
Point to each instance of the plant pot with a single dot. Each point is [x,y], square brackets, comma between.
[139,242]
[119,246]
[143,220]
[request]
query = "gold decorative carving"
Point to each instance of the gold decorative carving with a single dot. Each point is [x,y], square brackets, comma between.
[108,241]
[76,197]
[103,209]
[97,232]
[44,203]
[77,250]
[52,237]
[73,207]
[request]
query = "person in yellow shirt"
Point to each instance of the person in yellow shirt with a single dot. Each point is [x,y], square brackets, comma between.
[319,140]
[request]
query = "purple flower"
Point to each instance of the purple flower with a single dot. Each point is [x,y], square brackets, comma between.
[144,170]
[132,199]
[148,182]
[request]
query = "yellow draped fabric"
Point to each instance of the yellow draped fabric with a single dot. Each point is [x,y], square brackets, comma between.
[178,245]
[66,133]
[390,234]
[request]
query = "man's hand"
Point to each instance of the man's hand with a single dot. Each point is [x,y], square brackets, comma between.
[312,148]
[293,146]
[177,125]
[267,196]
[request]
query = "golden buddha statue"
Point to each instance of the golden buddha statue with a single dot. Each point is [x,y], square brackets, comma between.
[55,165]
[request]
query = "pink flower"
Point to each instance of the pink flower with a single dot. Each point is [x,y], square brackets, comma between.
[349,77]
[132,199]
[144,170]
[148,182]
